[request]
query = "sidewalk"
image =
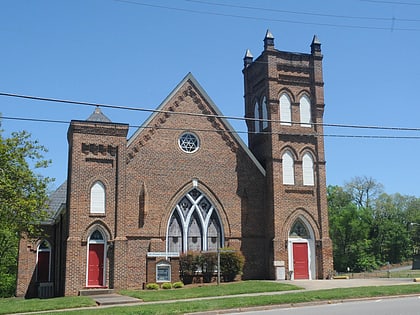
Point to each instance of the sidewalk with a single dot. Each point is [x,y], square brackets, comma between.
[350,283]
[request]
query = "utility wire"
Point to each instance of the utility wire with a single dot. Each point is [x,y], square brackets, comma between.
[227,131]
[119,107]
[303,13]
[392,2]
[267,19]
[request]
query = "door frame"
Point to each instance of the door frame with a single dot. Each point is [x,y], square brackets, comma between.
[98,242]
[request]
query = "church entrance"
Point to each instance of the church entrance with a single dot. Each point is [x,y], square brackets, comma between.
[95,270]
[301,254]
[300,261]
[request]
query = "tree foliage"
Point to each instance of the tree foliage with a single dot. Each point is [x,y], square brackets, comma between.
[368,227]
[23,196]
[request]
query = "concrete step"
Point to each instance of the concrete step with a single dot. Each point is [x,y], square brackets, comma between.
[113,299]
[95,291]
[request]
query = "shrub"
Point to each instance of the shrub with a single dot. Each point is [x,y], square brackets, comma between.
[167,285]
[188,264]
[208,263]
[178,285]
[231,263]
[152,286]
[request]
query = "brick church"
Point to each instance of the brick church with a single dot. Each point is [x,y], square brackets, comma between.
[186,181]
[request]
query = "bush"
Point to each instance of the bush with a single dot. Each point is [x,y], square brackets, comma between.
[152,286]
[188,264]
[178,285]
[208,264]
[167,286]
[231,263]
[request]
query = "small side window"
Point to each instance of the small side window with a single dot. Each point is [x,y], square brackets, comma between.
[97,198]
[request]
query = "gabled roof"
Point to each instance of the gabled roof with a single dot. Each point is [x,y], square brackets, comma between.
[57,199]
[189,77]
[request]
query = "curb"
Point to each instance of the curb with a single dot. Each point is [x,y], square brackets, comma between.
[296,305]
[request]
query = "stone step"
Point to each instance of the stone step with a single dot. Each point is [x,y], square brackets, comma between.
[95,291]
[114,299]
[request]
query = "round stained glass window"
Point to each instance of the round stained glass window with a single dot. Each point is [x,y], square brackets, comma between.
[188,142]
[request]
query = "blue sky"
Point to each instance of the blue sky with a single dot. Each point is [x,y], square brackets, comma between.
[133,53]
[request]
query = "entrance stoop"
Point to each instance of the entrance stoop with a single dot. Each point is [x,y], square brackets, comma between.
[95,291]
[103,296]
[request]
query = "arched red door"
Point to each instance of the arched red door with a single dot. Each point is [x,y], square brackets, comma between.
[300,261]
[96,265]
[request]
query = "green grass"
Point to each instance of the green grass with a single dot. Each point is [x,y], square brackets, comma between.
[241,302]
[211,290]
[16,305]
[19,305]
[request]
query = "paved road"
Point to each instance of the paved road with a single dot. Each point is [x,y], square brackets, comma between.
[394,306]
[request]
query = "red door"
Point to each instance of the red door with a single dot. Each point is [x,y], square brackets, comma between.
[300,261]
[43,266]
[96,265]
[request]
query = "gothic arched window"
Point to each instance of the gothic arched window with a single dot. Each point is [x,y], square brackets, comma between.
[299,229]
[257,116]
[264,113]
[308,169]
[288,168]
[305,111]
[285,110]
[97,198]
[194,224]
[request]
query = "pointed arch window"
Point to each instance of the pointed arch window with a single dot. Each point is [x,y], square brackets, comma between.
[305,111]
[264,113]
[299,229]
[97,198]
[288,168]
[285,110]
[43,273]
[194,224]
[257,117]
[308,169]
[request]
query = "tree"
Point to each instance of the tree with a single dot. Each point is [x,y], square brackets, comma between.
[23,197]
[363,190]
[370,228]
[389,234]
[349,229]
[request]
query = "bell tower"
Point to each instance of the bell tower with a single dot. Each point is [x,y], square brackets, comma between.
[284,107]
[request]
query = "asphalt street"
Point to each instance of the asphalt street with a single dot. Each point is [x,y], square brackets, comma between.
[390,306]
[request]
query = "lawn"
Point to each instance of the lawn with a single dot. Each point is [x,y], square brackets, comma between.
[249,301]
[251,286]
[19,305]
[180,307]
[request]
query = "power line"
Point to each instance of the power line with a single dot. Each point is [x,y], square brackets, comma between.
[304,13]
[227,131]
[393,2]
[267,19]
[141,109]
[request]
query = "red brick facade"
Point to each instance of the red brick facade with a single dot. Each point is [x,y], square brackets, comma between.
[146,177]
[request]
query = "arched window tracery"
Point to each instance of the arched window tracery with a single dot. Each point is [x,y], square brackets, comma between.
[194,224]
